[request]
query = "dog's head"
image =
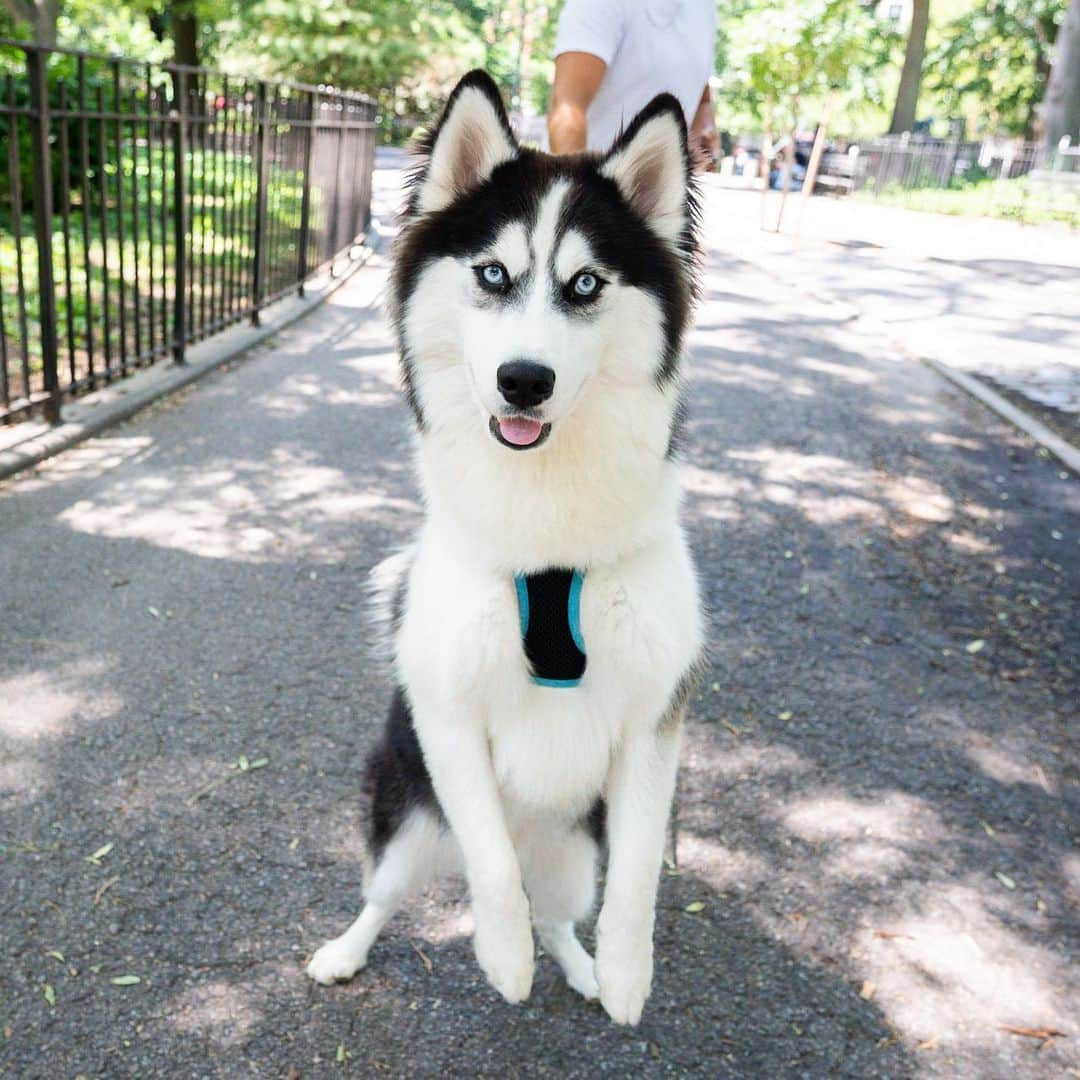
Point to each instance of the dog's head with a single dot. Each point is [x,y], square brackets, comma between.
[542,284]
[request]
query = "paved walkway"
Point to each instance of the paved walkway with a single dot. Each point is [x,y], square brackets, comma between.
[994,299]
[879,796]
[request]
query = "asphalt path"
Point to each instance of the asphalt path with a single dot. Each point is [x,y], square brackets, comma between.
[877,871]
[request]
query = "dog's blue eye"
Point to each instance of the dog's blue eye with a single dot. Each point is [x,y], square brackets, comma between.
[586,284]
[493,275]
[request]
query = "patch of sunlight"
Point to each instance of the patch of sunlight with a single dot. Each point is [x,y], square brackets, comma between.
[953,966]
[900,417]
[855,375]
[919,498]
[969,543]
[43,704]
[896,818]
[1006,766]
[88,459]
[722,868]
[222,1011]
[742,762]
[826,489]
[750,376]
[440,923]
[253,511]
[940,438]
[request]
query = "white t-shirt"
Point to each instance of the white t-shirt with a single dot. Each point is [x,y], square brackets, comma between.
[649,46]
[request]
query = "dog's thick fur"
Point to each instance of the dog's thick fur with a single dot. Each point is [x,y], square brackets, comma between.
[480,765]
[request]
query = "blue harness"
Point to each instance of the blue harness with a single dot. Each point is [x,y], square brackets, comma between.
[549,606]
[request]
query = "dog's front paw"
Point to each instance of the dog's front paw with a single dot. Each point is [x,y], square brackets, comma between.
[624,968]
[504,946]
[336,961]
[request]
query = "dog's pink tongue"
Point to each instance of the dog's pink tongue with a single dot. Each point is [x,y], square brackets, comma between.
[520,430]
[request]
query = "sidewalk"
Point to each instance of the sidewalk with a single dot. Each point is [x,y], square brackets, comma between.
[878,799]
[994,299]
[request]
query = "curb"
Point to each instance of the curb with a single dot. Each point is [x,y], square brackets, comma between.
[1065,452]
[123,399]
[1053,442]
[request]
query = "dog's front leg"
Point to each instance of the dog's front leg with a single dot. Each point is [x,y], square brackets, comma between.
[639,791]
[459,760]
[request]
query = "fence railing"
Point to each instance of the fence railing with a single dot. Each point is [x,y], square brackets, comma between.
[145,207]
[917,161]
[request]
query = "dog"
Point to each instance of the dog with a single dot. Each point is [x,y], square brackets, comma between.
[546,628]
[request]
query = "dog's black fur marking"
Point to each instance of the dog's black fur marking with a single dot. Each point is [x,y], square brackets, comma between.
[594,205]
[677,435]
[595,823]
[396,779]
[397,782]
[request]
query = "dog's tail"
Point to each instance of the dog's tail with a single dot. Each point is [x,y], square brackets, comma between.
[386,600]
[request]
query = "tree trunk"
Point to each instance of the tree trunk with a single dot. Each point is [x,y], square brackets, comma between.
[40,14]
[185,31]
[907,94]
[1061,112]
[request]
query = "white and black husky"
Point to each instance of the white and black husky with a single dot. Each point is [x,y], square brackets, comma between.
[547,625]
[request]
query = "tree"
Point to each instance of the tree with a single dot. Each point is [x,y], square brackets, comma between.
[185,32]
[907,94]
[1061,115]
[40,14]
[784,59]
[992,63]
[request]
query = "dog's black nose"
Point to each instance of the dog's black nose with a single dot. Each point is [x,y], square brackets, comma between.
[525,383]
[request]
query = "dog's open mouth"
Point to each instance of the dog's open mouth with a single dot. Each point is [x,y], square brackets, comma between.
[519,432]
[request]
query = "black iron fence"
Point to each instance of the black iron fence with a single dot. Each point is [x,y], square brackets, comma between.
[145,207]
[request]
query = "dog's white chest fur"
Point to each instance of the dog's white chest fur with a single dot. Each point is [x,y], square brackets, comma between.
[460,640]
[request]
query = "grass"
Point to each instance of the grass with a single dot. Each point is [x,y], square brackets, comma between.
[87,269]
[1024,200]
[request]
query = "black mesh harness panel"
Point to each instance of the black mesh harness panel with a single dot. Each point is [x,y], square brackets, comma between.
[549,605]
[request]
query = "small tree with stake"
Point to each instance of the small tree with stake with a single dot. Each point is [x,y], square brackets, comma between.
[803,54]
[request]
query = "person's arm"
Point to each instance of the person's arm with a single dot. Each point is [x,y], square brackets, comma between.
[703,131]
[577,78]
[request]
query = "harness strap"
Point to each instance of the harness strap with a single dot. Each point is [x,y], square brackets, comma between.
[549,607]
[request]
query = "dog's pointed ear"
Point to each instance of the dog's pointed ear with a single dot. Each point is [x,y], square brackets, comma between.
[471,139]
[650,163]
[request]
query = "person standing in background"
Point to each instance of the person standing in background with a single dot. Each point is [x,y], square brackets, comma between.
[612,57]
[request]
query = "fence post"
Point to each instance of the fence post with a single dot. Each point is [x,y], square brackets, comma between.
[261,150]
[39,148]
[305,205]
[180,134]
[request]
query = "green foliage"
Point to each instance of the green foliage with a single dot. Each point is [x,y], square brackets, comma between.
[1022,199]
[406,55]
[785,59]
[992,60]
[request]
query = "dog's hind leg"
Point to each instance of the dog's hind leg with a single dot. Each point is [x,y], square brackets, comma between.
[406,864]
[559,869]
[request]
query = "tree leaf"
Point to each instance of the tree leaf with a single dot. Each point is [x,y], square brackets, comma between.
[695,907]
[50,994]
[100,854]
[126,980]
[1005,879]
